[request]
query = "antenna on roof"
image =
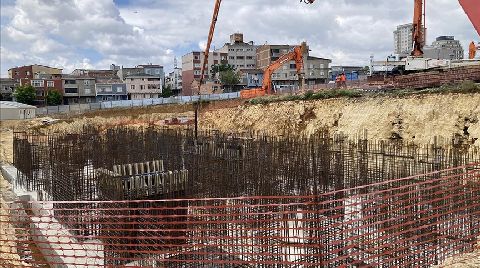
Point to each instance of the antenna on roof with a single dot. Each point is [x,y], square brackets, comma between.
[175,65]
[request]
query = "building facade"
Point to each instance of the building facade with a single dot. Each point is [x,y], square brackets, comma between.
[97,74]
[241,55]
[174,81]
[353,73]
[147,69]
[33,72]
[7,87]
[444,48]
[143,86]
[192,67]
[110,91]
[78,90]
[403,39]
[42,84]
[316,70]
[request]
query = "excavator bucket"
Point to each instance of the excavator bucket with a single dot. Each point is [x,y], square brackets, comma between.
[472,8]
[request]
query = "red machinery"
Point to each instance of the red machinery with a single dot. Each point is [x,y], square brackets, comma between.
[472,8]
[418,28]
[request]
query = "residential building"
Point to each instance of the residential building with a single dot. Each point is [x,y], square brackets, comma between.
[97,74]
[241,55]
[254,78]
[110,90]
[444,48]
[315,69]
[403,39]
[192,66]
[42,84]
[174,80]
[7,87]
[143,86]
[33,72]
[147,69]
[78,89]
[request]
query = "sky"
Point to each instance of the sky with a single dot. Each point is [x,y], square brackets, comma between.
[72,34]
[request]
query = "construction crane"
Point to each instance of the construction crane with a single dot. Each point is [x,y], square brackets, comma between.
[418,28]
[473,13]
[296,54]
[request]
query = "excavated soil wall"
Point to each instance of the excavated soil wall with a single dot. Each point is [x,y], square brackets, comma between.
[417,118]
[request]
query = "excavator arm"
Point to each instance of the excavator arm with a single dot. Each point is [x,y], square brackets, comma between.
[296,55]
[418,32]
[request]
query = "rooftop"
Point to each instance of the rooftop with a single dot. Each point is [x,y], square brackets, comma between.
[14,105]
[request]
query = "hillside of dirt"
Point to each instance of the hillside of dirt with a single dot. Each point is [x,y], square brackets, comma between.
[411,118]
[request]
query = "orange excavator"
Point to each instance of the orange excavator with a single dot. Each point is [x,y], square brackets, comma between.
[296,55]
[211,32]
[472,9]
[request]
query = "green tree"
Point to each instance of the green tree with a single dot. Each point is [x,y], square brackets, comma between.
[219,68]
[53,97]
[167,91]
[25,94]
[229,78]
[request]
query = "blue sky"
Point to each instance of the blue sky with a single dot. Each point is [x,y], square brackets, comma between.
[96,33]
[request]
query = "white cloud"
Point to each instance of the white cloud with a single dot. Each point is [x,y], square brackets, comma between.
[66,32]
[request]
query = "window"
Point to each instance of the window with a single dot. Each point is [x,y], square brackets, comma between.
[132,87]
[27,73]
[196,57]
[249,58]
[86,82]
[311,66]
[37,83]
[119,89]
[196,65]
[322,73]
[71,90]
[232,57]
[88,100]
[108,89]
[50,84]
[240,57]
[322,66]
[157,71]
[142,87]
[88,91]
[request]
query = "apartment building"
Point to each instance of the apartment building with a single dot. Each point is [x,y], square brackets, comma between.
[7,87]
[192,65]
[403,39]
[315,69]
[444,48]
[110,90]
[143,86]
[241,55]
[174,81]
[33,72]
[145,69]
[78,89]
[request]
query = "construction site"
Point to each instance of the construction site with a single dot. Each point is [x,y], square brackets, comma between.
[380,174]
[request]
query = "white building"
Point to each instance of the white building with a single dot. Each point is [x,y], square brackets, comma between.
[143,86]
[174,80]
[444,48]
[241,55]
[10,110]
[403,39]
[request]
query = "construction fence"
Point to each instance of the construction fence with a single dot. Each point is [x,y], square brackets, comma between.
[79,108]
[417,221]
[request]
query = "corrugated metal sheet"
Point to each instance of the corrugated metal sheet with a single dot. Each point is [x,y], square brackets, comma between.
[472,8]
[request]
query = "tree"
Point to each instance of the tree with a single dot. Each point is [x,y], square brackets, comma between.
[25,94]
[53,97]
[219,68]
[229,78]
[167,91]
